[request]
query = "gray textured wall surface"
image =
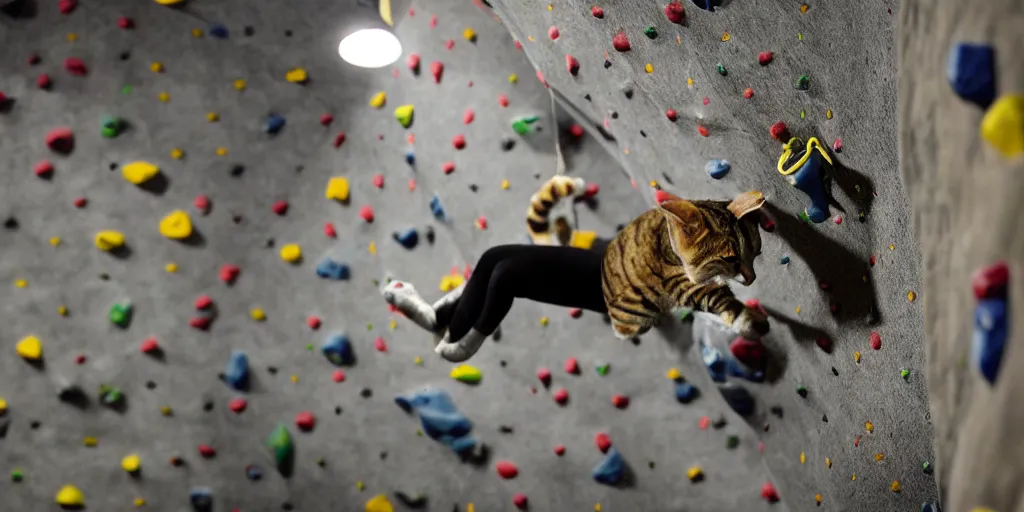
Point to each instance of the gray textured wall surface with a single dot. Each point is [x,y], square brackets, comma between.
[371,446]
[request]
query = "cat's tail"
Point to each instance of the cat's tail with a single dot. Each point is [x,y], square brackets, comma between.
[549,221]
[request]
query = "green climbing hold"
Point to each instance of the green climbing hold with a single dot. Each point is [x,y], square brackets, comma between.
[404,115]
[111,395]
[732,442]
[803,114]
[803,83]
[603,369]
[126,90]
[905,373]
[112,127]
[281,446]
[121,314]
[521,125]
[651,32]
[926,467]
[721,69]
[802,391]
[17,475]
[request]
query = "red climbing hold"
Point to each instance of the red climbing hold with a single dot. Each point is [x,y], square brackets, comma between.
[876,340]
[560,450]
[481,222]
[749,352]
[449,44]
[43,81]
[202,203]
[544,375]
[506,469]
[125,23]
[229,273]
[576,130]
[620,401]
[572,366]
[280,207]
[75,66]
[704,422]
[597,12]
[561,396]
[366,213]
[66,6]
[412,184]
[748,93]
[591,191]
[329,231]
[755,304]
[448,167]
[149,346]
[660,196]
[603,441]
[433,21]
[305,421]
[575,312]
[203,302]
[675,13]
[436,69]
[339,139]
[459,141]
[519,500]
[553,33]
[237,405]
[313,322]
[503,100]
[572,65]
[34,59]
[837,145]
[704,132]
[200,322]
[621,42]
[540,76]
[769,493]
[326,119]
[378,180]
[61,140]
[824,343]
[380,345]
[765,58]
[43,169]
[990,282]
[338,376]
[207,451]
[468,116]
[838,219]
[413,62]
[778,131]
[80,202]
[672,115]
[871,260]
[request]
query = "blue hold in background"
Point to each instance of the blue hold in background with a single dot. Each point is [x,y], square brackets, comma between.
[338,349]
[971,72]
[685,392]
[330,269]
[236,373]
[438,209]
[610,470]
[219,31]
[991,325]
[440,419]
[717,169]
[408,238]
[410,158]
[273,124]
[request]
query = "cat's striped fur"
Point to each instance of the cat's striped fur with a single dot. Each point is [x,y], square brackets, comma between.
[680,254]
[549,219]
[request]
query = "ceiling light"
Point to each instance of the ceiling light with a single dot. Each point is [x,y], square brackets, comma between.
[370,48]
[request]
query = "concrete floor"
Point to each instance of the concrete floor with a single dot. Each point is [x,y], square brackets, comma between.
[371,447]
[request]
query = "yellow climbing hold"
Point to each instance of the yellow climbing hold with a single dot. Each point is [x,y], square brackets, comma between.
[30,348]
[817,498]
[1003,125]
[869,427]
[982,509]
[296,76]
[856,357]
[379,503]
[418,361]
[3,406]
[470,507]
[505,185]
[853,476]
[804,7]
[828,114]
[403,115]
[131,463]
[70,496]
[62,311]
[689,82]
[673,374]
[163,97]
[393,324]
[240,84]
[544,321]
[513,78]
[138,173]
[360,485]
[257,314]
[895,486]
[171,268]
[212,117]
[138,502]
[378,100]
[911,296]
[295,379]
[337,189]
[166,411]
[726,37]
[372,248]
[582,239]
[451,282]
[291,253]
[695,473]
[798,310]
[879,457]
[176,225]
[649,68]
[469,34]
[72,37]
[168,2]
[597,507]
[222,151]
[90,441]
[156,67]
[197,33]
[55,241]
[177,154]
[803,458]
[828,463]
[20,283]
[466,373]
[892,247]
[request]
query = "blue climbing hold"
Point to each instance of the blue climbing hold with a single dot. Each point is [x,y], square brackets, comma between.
[784,260]
[610,470]
[338,349]
[717,169]
[930,507]
[201,499]
[438,209]
[330,269]
[273,124]
[971,71]
[236,374]
[219,31]
[991,324]
[738,398]
[440,419]
[408,238]
[253,472]
[685,392]
[410,158]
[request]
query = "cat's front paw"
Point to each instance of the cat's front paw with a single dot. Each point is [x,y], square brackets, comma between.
[751,324]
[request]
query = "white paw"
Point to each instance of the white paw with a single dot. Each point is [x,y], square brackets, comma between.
[460,350]
[751,324]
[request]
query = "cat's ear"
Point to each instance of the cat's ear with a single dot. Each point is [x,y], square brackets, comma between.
[687,217]
[746,202]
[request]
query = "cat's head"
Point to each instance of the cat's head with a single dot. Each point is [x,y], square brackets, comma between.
[716,239]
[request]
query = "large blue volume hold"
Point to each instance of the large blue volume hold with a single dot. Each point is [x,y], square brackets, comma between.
[991,324]
[236,374]
[330,269]
[338,349]
[610,470]
[971,72]
[440,419]
[717,169]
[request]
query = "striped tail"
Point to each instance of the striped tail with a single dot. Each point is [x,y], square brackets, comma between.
[548,220]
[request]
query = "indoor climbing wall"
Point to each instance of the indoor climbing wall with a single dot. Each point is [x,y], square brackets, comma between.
[702,99]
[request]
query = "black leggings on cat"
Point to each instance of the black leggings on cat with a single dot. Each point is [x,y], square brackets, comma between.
[563,276]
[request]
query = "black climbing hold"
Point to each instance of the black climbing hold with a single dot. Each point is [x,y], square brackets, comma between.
[321,462]
[287,33]
[607,64]
[287,506]
[113,166]
[430,235]
[650,464]
[835,372]
[208,406]
[269,242]
[11,223]
[507,144]
[777,410]
[802,391]
[824,418]
[643,133]
[237,170]
[237,219]
[667,178]
[473,187]
[150,385]
[587,97]
[628,91]
[503,363]
[104,277]
[337,410]
[125,55]
[417,501]
[719,422]
[615,115]
[249,31]
[272,370]
[299,168]
[505,429]
[35,424]
[366,393]
[383,455]
[620,227]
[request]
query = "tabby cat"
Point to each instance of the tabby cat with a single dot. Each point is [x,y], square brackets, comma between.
[549,220]
[680,254]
